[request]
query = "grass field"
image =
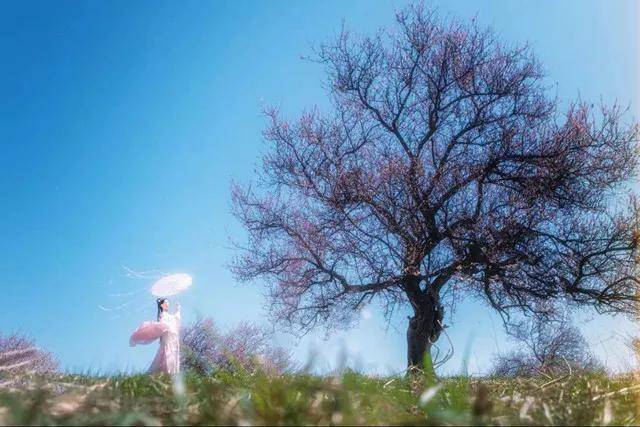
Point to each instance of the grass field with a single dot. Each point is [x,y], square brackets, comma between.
[244,398]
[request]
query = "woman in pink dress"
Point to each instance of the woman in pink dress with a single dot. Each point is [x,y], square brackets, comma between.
[167,328]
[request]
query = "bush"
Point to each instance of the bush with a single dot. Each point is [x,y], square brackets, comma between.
[548,347]
[247,346]
[19,355]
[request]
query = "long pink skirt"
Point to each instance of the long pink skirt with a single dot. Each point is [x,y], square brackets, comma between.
[167,358]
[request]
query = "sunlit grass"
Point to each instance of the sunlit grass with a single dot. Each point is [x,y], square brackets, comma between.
[255,398]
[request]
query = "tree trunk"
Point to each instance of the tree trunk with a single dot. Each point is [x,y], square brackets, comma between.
[424,329]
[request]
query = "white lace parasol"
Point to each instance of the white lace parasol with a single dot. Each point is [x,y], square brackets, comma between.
[171,285]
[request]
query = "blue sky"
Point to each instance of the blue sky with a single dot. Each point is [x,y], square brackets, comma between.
[122,124]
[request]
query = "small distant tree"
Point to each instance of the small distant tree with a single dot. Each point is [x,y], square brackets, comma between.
[446,169]
[205,348]
[546,347]
[19,355]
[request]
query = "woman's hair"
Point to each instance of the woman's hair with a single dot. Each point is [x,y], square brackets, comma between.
[160,301]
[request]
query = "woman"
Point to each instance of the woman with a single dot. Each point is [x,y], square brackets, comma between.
[167,328]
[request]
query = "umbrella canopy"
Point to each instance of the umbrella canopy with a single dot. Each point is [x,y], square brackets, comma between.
[171,285]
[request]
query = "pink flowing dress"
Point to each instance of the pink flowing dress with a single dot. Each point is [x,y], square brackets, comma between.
[167,358]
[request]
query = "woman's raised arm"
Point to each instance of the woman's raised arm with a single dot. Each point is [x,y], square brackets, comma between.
[177,314]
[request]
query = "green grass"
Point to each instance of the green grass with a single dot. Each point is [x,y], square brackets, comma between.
[245,398]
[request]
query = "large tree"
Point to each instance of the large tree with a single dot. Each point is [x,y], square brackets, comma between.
[445,169]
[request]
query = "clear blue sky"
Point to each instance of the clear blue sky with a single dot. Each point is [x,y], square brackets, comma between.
[122,123]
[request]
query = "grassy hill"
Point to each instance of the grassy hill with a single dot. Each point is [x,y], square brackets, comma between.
[244,398]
